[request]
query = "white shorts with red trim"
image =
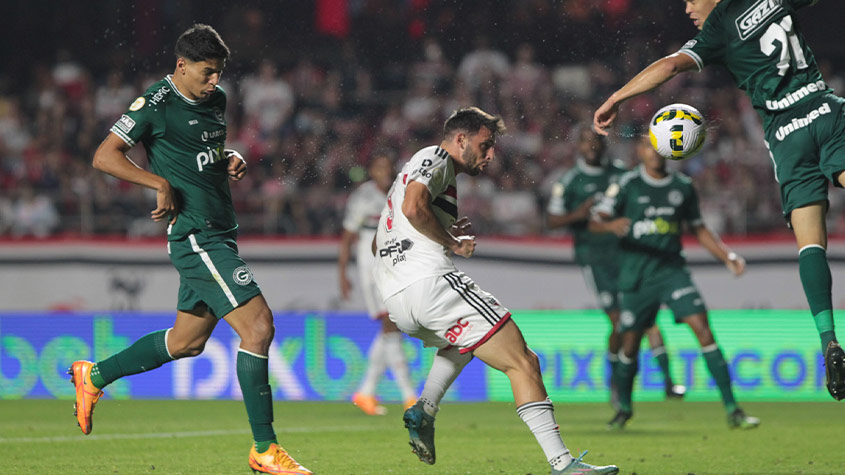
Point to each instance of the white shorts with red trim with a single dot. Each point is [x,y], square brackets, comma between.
[449,310]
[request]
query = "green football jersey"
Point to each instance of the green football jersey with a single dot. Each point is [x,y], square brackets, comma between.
[184,141]
[657,210]
[576,186]
[761,45]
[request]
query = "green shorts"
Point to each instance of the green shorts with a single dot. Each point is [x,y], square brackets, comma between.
[675,289]
[807,144]
[602,280]
[211,273]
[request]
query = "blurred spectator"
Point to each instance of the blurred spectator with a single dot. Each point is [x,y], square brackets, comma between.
[306,109]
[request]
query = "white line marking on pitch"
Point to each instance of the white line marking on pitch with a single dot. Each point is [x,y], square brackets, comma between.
[177,435]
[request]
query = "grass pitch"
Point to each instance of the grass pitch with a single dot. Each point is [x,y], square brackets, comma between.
[211,437]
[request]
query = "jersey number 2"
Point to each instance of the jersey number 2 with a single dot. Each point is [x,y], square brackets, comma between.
[784,33]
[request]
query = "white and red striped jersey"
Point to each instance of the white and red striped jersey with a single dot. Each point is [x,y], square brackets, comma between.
[403,254]
[363,210]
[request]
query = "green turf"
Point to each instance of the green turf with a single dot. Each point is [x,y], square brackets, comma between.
[210,437]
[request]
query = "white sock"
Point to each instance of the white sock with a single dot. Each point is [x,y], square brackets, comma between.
[398,364]
[612,357]
[375,366]
[540,418]
[447,365]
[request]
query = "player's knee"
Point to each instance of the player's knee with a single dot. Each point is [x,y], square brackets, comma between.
[260,332]
[529,362]
[186,349]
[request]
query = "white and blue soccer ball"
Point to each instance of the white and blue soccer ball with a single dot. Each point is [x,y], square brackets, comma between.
[677,131]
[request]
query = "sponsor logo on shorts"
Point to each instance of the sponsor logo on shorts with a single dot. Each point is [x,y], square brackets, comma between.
[752,19]
[456,331]
[242,275]
[680,293]
[626,318]
[799,123]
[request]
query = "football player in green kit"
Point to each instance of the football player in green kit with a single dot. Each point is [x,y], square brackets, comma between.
[760,44]
[571,200]
[647,209]
[180,121]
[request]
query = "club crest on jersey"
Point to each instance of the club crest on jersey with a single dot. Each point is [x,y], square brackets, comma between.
[675,197]
[218,114]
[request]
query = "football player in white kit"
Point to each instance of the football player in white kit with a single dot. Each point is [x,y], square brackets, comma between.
[359,224]
[428,298]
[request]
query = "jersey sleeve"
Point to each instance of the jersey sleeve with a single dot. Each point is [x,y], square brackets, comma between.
[557,199]
[708,46]
[354,217]
[137,123]
[431,172]
[612,201]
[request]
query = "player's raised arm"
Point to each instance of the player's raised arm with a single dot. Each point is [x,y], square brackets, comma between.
[111,158]
[417,208]
[649,78]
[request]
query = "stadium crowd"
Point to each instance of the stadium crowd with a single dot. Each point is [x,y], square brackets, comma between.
[307,107]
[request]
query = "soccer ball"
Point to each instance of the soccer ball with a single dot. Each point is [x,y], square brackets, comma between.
[677,131]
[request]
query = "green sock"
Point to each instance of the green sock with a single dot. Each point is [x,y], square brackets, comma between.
[149,352]
[663,360]
[625,372]
[817,282]
[258,397]
[719,370]
[613,360]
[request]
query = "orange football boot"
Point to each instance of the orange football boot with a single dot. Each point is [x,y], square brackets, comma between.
[368,404]
[275,460]
[87,394]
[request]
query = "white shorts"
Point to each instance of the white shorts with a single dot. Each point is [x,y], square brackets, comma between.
[372,297]
[450,310]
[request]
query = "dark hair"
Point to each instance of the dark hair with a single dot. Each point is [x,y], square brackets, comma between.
[200,43]
[471,120]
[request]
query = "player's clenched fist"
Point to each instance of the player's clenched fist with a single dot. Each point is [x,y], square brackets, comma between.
[466,246]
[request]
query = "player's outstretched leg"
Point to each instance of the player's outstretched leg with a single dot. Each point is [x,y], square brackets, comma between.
[577,466]
[275,460]
[87,394]
[420,425]
[834,367]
